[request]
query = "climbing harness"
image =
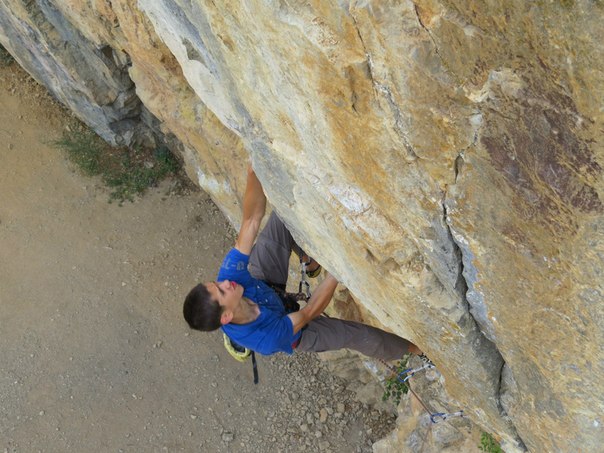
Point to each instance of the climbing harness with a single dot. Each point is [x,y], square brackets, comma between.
[291,305]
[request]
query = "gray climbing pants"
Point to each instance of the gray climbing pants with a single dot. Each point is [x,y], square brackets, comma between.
[269,261]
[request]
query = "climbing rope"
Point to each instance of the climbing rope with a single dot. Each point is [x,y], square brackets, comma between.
[424,443]
[435,417]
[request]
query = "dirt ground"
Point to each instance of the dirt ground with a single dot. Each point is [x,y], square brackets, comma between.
[95,355]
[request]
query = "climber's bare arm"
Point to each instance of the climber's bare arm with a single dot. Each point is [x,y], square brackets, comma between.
[254,207]
[316,304]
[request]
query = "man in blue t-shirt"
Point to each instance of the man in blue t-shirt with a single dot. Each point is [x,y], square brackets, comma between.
[252,314]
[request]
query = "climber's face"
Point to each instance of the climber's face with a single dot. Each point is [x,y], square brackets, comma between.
[228,294]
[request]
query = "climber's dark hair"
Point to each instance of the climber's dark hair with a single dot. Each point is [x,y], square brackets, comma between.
[201,311]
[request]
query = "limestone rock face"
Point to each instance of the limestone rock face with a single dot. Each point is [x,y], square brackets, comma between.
[442,158]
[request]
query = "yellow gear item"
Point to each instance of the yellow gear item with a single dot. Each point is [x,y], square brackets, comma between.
[237,354]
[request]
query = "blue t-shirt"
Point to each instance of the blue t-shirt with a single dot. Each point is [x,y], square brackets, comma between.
[272,331]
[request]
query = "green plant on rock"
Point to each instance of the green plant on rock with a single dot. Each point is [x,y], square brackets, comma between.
[394,388]
[488,444]
[127,171]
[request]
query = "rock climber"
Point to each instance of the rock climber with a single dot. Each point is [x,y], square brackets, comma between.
[251,313]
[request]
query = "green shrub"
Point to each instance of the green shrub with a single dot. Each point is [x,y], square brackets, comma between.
[85,149]
[488,444]
[133,178]
[393,387]
[127,171]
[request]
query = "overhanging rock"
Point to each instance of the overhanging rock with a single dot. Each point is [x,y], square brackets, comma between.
[442,158]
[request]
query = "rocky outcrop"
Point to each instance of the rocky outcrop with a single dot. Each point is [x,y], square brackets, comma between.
[442,158]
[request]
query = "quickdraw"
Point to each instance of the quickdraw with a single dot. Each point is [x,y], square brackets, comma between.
[410,372]
[304,286]
[435,417]
[444,416]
